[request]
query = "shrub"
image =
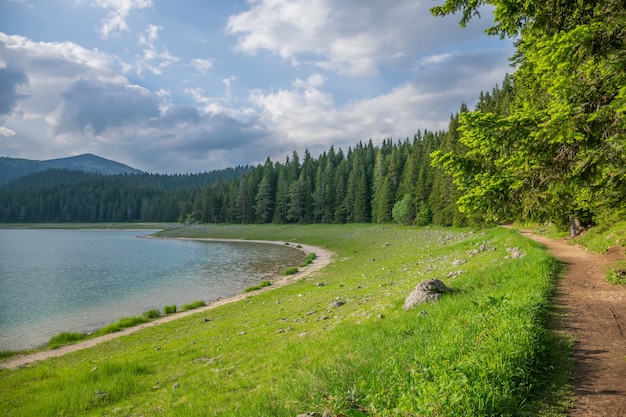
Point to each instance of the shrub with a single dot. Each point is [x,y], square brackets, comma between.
[64,339]
[291,270]
[151,314]
[193,305]
[308,260]
[171,309]
[7,353]
[617,273]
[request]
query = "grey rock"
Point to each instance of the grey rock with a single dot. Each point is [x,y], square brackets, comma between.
[426,291]
[514,253]
[336,303]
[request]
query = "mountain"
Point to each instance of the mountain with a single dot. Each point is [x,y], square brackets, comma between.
[14,168]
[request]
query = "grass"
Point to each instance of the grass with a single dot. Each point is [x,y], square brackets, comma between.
[193,305]
[486,348]
[121,324]
[257,287]
[64,339]
[599,240]
[151,314]
[290,270]
[170,309]
[308,260]
[616,273]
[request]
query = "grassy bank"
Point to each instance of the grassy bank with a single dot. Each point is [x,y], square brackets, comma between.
[482,350]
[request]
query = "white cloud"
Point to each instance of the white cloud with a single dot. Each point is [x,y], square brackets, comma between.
[5,131]
[201,65]
[307,116]
[115,20]
[153,60]
[352,37]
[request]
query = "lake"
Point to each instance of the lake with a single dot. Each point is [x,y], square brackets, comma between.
[53,281]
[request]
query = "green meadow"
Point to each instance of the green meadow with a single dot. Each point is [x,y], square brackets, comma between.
[486,348]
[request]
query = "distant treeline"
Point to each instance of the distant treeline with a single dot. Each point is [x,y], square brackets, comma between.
[469,174]
[367,183]
[61,195]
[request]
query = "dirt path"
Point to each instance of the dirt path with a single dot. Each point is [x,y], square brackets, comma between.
[322,258]
[596,318]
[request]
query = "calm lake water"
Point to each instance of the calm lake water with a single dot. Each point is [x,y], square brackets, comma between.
[52,281]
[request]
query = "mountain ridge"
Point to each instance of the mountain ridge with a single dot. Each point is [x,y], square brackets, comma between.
[12,169]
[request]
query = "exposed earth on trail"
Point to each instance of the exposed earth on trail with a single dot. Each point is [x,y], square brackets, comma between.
[596,318]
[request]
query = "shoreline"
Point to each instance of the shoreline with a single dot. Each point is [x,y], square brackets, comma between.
[322,258]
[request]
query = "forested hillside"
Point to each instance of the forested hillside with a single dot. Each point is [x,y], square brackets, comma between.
[61,195]
[548,145]
[554,146]
[367,183]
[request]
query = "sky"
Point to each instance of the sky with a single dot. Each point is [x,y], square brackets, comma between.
[196,85]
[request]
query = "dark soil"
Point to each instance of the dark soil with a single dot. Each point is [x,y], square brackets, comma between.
[596,318]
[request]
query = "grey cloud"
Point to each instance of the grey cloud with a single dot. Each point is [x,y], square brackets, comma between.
[183,140]
[179,115]
[98,106]
[219,132]
[10,79]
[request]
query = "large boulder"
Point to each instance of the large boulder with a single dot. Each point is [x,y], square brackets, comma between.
[425,292]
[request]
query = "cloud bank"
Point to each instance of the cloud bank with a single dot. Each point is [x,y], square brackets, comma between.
[353,70]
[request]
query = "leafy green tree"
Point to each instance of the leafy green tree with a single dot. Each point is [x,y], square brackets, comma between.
[557,151]
[403,210]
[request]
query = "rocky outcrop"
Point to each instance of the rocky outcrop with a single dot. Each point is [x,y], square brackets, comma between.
[425,292]
[514,253]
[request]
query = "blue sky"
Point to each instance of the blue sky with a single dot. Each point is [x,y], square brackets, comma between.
[190,85]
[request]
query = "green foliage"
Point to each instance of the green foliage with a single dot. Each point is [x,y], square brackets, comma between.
[7,353]
[121,324]
[403,210]
[550,144]
[193,305]
[257,287]
[290,271]
[59,195]
[308,260]
[171,309]
[617,273]
[151,314]
[64,339]
[359,186]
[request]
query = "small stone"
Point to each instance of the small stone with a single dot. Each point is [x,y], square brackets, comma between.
[515,252]
[458,262]
[336,303]
[99,394]
[176,385]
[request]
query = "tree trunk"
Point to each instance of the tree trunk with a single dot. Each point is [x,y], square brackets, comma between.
[575,226]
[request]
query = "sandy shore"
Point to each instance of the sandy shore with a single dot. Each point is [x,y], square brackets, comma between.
[323,258]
